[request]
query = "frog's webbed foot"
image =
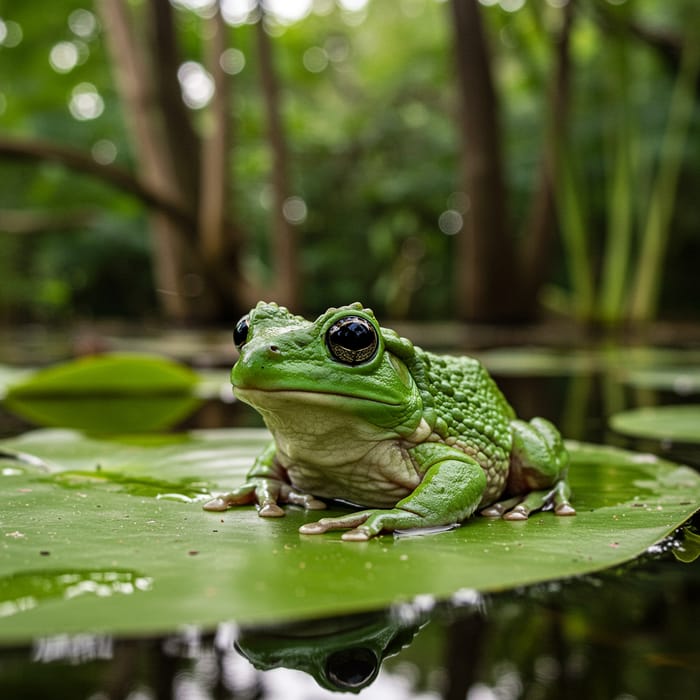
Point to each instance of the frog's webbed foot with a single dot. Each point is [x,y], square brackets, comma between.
[520,507]
[267,493]
[365,524]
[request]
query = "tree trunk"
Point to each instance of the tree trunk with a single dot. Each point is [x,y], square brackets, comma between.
[179,136]
[214,186]
[283,251]
[487,284]
[168,153]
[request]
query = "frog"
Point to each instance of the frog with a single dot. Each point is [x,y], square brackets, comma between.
[412,439]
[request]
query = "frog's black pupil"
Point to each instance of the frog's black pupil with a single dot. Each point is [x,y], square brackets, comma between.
[352,340]
[351,668]
[240,332]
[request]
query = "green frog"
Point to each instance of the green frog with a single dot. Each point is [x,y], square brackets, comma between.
[359,414]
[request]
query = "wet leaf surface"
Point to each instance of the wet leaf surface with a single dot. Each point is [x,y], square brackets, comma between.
[113,538]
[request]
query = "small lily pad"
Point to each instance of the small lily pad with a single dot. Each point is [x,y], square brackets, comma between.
[98,524]
[681,380]
[115,393]
[107,375]
[679,423]
[107,414]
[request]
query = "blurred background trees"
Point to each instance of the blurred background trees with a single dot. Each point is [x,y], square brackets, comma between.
[182,158]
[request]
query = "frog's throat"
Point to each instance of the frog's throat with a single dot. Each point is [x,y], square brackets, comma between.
[265,397]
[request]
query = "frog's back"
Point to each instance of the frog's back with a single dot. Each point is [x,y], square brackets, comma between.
[467,410]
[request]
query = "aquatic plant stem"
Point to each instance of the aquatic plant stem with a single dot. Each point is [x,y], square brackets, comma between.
[646,290]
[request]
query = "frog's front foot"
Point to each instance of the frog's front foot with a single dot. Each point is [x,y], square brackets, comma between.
[267,494]
[365,524]
[520,507]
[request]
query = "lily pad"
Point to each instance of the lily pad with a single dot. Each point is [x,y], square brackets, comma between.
[676,423]
[107,375]
[682,380]
[115,393]
[108,414]
[108,536]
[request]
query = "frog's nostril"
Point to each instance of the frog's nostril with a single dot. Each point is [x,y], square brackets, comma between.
[274,349]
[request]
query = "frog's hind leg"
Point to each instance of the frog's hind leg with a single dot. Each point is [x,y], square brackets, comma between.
[520,507]
[537,475]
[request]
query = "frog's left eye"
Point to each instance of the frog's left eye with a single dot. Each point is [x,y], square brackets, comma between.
[352,340]
[240,332]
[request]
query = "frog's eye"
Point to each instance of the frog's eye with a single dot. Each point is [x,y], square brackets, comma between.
[351,669]
[240,332]
[352,340]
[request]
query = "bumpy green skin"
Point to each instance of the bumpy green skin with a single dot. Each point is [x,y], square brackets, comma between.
[421,440]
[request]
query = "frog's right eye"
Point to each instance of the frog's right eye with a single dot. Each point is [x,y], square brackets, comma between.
[352,340]
[240,332]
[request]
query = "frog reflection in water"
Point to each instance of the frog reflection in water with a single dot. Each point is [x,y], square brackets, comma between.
[342,653]
[360,414]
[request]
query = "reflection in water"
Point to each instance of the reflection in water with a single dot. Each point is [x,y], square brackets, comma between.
[342,653]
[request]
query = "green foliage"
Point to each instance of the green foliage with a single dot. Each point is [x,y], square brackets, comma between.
[135,553]
[368,106]
[629,219]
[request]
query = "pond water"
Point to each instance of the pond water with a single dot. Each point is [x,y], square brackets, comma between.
[624,633]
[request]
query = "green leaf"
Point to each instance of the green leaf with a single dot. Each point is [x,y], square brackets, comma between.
[681,380]
[678,423]
[109,536]
[117,393]
[107,414]
[108,375]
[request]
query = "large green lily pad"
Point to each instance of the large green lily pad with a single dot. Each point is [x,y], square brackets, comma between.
[109,536]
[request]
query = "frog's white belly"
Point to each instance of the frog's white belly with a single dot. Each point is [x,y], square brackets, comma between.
[381,478]
[330,453]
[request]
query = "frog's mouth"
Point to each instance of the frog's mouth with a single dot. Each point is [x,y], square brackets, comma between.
[256,397]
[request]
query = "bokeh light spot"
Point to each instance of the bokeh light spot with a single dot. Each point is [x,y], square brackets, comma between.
[85,102]
[232,61]
[295,210]
[104,152]
[196,84]
[63,57]
[83,23]
[315,59]
[450,222]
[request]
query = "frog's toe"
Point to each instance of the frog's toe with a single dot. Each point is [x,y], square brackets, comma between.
[352,520]
[216,504]
[517,513]
[314,504]
[359,534]
[564,509]
[270,510]
[312,529]
[496,510]
[305,500]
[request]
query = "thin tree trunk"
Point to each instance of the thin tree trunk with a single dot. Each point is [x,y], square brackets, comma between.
[179,136]
[139,99]
[284,237]
[186,289]
[541,224]
[488,288]
[215,180]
